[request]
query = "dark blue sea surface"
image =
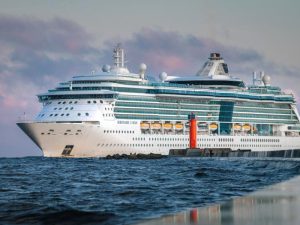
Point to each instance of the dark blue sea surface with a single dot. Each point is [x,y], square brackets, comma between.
[37,190]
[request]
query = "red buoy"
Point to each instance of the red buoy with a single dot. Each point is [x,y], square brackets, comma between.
[193,130]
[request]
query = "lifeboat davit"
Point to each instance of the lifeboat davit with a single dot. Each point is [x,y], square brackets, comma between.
[202,126]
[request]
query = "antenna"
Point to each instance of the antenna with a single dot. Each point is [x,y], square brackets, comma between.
[254,78]
[119,56]
[257,80]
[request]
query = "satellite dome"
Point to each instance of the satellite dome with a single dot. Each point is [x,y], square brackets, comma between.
[106,68]
[163,76]
[143,67]
[266,79]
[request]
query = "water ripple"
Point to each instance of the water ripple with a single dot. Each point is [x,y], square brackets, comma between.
[37,190]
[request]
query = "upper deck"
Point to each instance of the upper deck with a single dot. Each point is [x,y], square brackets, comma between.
[212,81]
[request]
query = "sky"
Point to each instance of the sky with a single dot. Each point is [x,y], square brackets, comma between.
[46,42]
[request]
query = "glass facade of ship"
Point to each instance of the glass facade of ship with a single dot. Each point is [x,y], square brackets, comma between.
[257,111]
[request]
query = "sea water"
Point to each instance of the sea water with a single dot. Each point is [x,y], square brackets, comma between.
[38,190]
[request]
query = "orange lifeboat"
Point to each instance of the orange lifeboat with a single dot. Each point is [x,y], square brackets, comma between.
[168,126]
[156,126]
[178,126]
[145,125]
[246,127]
[237,126]
[213,126]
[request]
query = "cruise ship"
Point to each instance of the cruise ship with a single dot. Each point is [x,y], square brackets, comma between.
[114,111]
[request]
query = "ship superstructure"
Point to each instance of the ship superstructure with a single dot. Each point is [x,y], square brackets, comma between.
[114,111]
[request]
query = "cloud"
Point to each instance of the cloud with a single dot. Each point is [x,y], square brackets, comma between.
[34,49]
[179,54]
[57,35]
[35,55]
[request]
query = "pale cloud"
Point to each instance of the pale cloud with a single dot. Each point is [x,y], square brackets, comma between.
[57,35]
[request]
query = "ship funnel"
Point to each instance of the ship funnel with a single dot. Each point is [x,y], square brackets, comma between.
[215,67]
[215,56]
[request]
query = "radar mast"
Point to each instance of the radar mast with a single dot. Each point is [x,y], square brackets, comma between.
[118,56]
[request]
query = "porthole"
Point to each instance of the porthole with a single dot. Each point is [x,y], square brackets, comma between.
[71,108]
[67,114]
[70,102]
[58,102]
[51,114]
[56,115]
[66,108]
[94,101]
[62,114]
[78,114]
[87,114]
[75,102]
[64,103]
[88,102]
[55,108]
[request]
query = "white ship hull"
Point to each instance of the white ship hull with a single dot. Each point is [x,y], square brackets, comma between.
[109,138]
